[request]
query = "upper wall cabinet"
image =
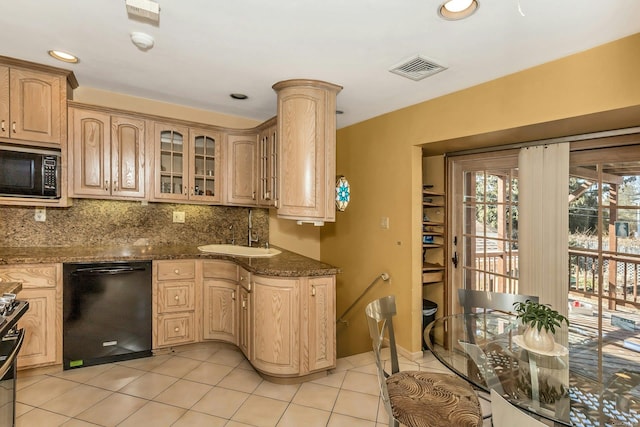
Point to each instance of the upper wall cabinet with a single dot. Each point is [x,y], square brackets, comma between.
[268,165]
[241,169]
[107,155]
[306,150]
[33,102]
[187,164]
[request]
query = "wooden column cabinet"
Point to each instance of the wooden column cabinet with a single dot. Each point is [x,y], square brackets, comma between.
[33,102]
[42,288]
[107,155]
[306,150]
[176,296]
[241,169]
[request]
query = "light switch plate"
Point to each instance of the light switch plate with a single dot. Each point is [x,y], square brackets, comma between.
[384,222]
[178,217]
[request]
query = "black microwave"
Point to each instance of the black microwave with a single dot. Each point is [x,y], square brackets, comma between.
[29,172]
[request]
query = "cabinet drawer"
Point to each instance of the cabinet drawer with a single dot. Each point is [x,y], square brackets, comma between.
[31,276]
[178,328]
[176,270]
[176,296]
[220,270]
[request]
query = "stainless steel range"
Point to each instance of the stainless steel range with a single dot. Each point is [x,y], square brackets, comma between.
[11,310]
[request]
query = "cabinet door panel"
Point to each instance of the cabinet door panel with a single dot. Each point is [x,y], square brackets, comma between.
[276,318]
[171,161]
[220,312]
[205,165]
[91,153]
[244,323]
[128,162]
[241,169]
[39,324]
[4,102]
[35,106]
[321,326]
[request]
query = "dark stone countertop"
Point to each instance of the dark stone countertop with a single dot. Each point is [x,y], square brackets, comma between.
[285,264]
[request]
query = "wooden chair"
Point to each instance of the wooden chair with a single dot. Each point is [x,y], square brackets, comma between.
[507,415]
[417,398]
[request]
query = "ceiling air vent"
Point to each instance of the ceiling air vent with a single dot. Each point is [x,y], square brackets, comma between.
[417,68]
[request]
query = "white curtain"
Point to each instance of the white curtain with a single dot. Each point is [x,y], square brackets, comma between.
[543,223]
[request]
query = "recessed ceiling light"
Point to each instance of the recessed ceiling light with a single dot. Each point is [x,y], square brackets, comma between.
[238,96]
[453,10]
[63,56]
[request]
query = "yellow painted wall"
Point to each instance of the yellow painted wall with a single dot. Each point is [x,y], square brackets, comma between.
[381,159]
[284,233]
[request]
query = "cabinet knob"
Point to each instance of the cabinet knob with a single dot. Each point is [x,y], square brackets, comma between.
[176,298]
[106,185]
[176,329]
[14,127]
[2,126]
[176,271]
[244,304]
[115,185]
[313,291]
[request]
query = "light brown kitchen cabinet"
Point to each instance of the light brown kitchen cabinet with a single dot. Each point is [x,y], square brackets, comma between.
[188,164]
[268,166]
[220,300]
[245,337]
[175,295]
[107,155]
[42,288]
[241,169]
[32,105]
[276,320]
[293,325]
[320,324]
[306,150]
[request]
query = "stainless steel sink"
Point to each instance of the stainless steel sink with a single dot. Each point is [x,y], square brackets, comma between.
[236,250]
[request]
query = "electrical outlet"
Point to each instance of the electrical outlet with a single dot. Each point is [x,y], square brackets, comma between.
[178,217]
[41,214]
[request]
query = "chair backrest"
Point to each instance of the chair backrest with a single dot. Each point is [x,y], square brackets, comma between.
[470,299]
[504,414]
[379,318]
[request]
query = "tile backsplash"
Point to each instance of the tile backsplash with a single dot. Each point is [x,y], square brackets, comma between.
[105,223]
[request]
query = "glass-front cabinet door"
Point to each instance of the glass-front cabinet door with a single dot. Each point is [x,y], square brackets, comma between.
[171,162]
[205,165]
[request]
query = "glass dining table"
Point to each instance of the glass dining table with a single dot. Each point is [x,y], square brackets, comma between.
[581,382]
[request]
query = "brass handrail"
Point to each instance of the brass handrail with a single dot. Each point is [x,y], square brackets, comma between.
[383,276]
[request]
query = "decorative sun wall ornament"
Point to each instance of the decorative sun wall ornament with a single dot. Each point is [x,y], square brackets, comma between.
[343,193]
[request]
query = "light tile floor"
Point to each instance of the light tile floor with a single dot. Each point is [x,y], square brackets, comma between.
[208,384]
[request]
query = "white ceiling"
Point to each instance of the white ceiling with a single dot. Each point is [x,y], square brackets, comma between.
[206,49]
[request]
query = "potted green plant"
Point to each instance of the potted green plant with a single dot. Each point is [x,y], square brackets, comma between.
[540,322]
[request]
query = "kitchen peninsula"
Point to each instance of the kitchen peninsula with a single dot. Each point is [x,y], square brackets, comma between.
[279,310]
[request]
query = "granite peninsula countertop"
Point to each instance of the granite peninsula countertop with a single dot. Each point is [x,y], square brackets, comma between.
[285,264]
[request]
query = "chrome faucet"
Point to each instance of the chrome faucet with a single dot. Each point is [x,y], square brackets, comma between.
[250,237]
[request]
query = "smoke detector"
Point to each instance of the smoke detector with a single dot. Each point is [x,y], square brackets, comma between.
[146,9]
[143,40]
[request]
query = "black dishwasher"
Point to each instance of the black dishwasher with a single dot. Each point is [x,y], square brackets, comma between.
[106,312]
